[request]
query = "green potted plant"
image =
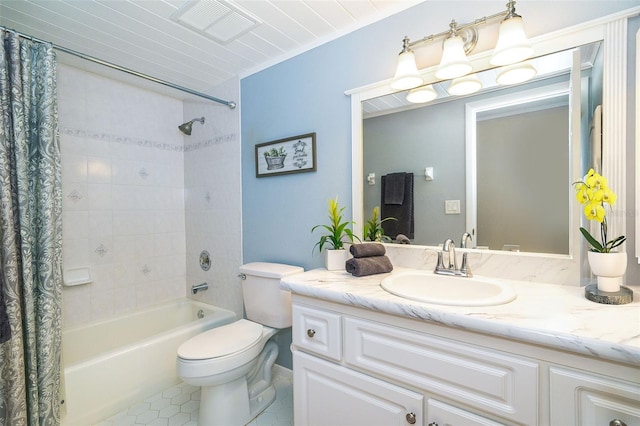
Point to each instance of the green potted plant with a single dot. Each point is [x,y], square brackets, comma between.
[373,227]
[275,158]
[608,265]
[337,233]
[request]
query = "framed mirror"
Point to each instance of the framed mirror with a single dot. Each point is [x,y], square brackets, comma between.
[606,33]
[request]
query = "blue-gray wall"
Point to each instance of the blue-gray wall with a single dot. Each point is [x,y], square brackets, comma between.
[306,94]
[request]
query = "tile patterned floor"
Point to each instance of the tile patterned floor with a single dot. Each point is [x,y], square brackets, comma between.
[178,406]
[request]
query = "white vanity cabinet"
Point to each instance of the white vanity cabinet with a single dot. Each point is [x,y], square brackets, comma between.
[579,398]
[350,370]
[355,366]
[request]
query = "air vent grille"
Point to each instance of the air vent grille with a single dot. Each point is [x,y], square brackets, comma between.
[219,20]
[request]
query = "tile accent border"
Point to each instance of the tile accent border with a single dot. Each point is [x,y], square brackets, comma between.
[146,143]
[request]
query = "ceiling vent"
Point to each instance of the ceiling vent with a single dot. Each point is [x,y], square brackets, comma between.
[219,20]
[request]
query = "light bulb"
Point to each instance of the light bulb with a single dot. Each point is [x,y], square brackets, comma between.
[513,45]
[465,85]
[421,95]
[454,62]
[407,75]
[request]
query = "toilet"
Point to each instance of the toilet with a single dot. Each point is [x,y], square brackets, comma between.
[232,363]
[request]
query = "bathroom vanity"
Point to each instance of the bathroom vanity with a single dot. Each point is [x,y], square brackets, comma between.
[550,357]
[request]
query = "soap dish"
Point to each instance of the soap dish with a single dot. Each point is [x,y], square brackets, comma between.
[77,276]
[621,297]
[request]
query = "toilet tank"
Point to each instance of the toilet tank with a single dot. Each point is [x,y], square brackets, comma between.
[264,302]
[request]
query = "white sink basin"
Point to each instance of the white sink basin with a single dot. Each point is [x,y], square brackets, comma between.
[425,286]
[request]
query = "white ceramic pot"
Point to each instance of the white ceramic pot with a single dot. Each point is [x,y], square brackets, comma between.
[336,259]
[609,268]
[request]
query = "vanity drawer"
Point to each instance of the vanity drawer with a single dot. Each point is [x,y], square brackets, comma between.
[317,331]
[481,378]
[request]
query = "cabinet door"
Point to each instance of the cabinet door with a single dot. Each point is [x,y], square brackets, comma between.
[441,414]
[583,399]
[484,379]
[328,394]
[317,331]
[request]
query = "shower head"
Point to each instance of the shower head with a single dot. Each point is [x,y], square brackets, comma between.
[186,127]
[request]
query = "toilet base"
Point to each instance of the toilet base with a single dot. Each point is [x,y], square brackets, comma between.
[239,401]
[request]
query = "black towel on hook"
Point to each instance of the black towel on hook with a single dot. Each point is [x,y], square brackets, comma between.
[394,189]
[403,213]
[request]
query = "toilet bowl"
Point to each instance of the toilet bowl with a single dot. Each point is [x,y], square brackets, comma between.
[232,363]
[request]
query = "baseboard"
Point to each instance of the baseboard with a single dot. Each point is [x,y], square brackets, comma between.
[282,371]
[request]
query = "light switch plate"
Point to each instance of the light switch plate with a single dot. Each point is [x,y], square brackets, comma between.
[451,206]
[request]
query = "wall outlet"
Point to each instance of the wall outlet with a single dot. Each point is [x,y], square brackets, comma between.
[451,206]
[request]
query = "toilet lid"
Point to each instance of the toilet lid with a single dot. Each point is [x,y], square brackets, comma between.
[221,341]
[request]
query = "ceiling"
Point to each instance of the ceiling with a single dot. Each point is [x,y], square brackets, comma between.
[214,40]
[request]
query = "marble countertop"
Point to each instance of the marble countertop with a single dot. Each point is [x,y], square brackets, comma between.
[556,316]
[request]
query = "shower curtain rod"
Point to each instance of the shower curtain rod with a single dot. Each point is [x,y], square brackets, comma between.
[230,104]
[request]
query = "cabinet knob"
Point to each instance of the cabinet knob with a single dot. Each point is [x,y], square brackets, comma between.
[311,332]
[411,418]
[433,424]
[616,422]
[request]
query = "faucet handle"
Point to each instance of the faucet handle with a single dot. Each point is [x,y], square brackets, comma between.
[465,268]
[439,264]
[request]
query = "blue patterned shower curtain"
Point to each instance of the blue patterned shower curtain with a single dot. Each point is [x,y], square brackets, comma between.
[30,234]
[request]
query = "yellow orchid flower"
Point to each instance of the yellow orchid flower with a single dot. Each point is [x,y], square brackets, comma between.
[596,181]
[609,197]
[596,195]
[581,193]
[593,192]
[594,211]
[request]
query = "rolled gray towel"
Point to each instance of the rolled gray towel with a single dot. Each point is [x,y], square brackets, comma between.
[367,250]
[363,266]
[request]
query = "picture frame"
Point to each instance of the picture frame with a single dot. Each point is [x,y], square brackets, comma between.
[296,154]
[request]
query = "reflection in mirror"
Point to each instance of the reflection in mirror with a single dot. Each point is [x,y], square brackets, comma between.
[516,195]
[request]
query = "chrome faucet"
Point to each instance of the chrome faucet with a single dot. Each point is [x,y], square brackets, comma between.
[196,288]
[452,264]
[450,247]
[465,238]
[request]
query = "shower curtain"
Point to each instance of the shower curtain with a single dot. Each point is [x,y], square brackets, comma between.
[30,234]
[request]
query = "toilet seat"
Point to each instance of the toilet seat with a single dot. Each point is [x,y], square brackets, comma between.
[221,341]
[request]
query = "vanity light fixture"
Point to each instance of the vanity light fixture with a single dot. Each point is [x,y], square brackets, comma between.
[512,47]
[465,85]
[407,75]
[422,94]
[454,62]
[516,73]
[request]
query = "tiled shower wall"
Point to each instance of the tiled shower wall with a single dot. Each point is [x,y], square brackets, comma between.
[213,199]
[141,200]
[123,195]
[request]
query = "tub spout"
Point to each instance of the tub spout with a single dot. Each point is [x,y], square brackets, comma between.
[196,288]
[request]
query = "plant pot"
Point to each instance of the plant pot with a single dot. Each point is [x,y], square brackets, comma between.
[609,268]
[275,162]
[335,259]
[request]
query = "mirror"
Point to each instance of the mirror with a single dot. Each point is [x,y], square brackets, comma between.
[495,158]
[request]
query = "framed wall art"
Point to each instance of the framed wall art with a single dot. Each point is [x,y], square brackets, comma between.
[296,154]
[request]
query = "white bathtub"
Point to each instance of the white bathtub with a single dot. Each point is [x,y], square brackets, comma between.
[109,365]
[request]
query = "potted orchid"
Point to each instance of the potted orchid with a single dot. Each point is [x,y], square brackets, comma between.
[337,233]
[609,266]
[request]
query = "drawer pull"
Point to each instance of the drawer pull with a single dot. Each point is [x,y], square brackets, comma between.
[616,422]
[411,418]
[311,332]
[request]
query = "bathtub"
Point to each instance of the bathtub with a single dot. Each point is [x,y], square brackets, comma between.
[110,365]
